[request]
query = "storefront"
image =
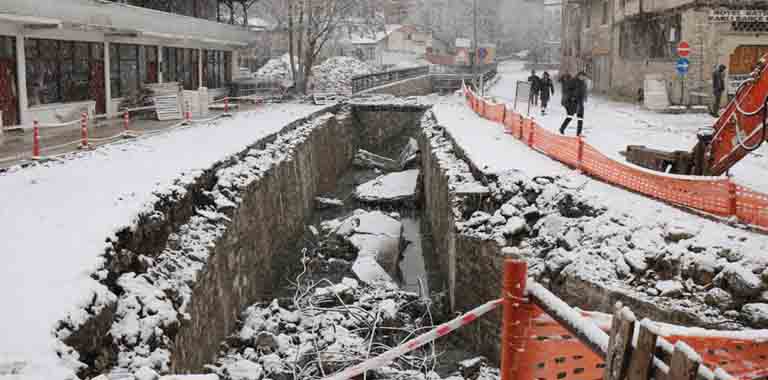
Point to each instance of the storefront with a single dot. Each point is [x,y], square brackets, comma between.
[60,63]
[9,94]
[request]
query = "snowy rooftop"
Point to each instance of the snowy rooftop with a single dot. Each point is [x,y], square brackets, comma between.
[58,215]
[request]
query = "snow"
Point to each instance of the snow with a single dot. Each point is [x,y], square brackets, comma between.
[610,126]
[335,74]
[58,215]
[389,187]
[622,241]
[278,70]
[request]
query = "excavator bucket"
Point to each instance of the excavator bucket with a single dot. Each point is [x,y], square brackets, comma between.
[676,162]
[741,128]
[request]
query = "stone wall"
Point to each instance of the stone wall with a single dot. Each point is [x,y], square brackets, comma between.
[471,267]
[240,269]
[274,210]
[385,129]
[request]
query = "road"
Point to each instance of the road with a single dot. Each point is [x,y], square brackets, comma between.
[611,125]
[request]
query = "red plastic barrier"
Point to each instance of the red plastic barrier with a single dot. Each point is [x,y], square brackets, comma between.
[743,359]
[536,346]
[714,196]
[751,206]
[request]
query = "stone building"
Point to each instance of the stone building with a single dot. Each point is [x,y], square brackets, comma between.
[58,57]
[620,43]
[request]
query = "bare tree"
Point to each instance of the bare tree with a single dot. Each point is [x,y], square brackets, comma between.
[311,24]
[237,10]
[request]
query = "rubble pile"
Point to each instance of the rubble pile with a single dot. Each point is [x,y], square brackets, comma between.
[335,74]
[277,70]
[328,327]
[369,243]
[566,234]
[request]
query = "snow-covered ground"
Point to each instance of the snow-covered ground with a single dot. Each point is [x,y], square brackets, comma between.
[633,224]
[610,126]
[56,217]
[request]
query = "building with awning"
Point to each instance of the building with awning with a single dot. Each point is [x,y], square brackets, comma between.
[58,57]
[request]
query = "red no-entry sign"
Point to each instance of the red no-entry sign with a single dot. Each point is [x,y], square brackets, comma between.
[683,49]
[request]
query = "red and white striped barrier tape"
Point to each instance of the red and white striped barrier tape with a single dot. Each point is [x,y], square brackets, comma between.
[440,331]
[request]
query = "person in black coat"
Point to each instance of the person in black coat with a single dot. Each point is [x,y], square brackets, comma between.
[535,82]
[718,86]
[564,80]
[546,90]
[575,94]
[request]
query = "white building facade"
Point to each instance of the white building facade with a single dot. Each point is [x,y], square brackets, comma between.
[57,56]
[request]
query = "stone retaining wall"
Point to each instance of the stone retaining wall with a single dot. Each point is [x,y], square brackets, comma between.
[471,267]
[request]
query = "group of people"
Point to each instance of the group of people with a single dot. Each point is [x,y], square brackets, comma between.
[574,91]
[574,95]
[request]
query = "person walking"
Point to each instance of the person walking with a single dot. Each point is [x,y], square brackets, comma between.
[575,94]
[564,80]
[718,86]
[535,84]
[546,90]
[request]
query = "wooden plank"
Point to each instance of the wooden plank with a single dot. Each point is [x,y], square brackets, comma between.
[685,363]
[641,363]
[168,107]
[620,344]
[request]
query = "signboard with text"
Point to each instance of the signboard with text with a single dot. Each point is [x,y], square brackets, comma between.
[463,43]
[738,15]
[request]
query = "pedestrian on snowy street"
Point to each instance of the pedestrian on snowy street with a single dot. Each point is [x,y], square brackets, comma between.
[564,79]
[718,86]
[535,82]
[546,89]
[575,94]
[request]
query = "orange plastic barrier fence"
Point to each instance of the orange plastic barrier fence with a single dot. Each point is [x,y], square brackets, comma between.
[536,346]
[547,350]
[719,197]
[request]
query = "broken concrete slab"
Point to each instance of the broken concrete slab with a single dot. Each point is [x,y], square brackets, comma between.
[368,160]
[379,240]
[390,188]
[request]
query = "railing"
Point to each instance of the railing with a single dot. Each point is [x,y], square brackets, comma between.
[364,82]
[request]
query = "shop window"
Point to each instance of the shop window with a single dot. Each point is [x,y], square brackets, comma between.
[8,91]
[60,71]
[217,68]
[131,66]
[180,65]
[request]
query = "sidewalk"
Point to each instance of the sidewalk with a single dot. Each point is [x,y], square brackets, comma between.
[16,145]
[56,217]
[610,126]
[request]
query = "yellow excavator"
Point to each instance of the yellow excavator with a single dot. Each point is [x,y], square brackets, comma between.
[739,130]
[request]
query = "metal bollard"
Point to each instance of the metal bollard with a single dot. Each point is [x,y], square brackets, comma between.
[83,130]
[36,140]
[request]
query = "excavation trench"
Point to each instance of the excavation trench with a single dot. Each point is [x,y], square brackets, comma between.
[231,236]
[253,228]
